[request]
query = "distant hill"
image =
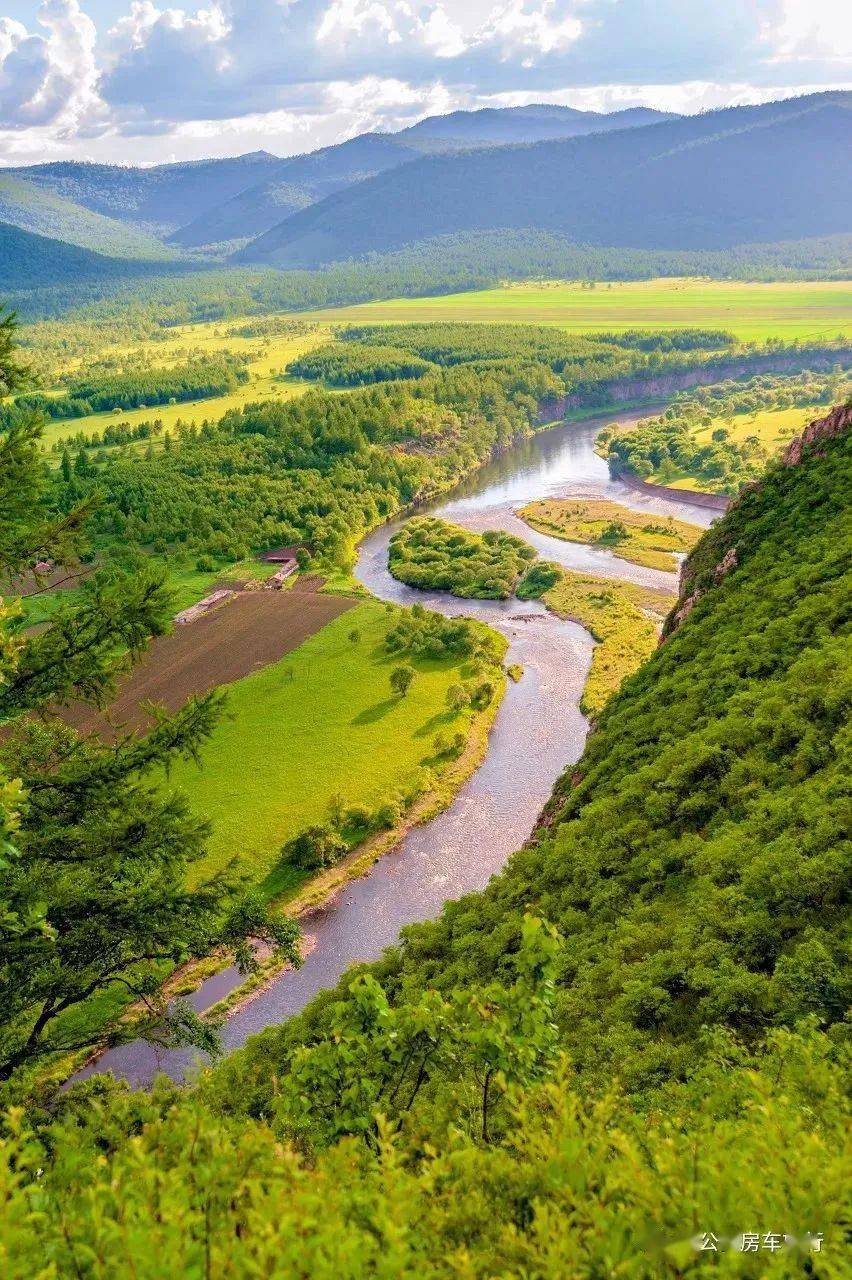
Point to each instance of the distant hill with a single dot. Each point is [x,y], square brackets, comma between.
[762,173]
[535,123]
[29,261]
[160,198]
[37,209]
[293,184]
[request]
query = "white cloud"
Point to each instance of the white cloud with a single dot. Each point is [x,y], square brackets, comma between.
[809,30]
[292,74]
[528,29]
[50,78]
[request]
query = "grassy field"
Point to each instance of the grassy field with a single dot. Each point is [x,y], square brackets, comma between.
[773,427]
[320,723]
[751,311]
[266,378]
[632,535]
[622,617]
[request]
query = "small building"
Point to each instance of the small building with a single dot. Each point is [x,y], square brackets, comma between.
[207,605]
[289,567]
[279,555]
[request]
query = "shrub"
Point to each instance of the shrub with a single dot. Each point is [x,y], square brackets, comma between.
[315,848]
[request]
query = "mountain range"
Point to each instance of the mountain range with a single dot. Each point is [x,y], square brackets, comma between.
[763,173]
[634,179]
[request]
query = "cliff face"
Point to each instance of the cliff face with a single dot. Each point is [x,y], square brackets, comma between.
[715,556]
[663,385]
[833,424]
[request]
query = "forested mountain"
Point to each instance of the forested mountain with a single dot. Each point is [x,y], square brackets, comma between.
[161,197]
[36,208]
[764,173]
[300,181]
[501,125]
[293,184]
[29,261]
[208,202]
[703,182]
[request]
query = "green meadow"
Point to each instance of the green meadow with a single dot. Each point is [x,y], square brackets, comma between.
[320,724]
[751,311]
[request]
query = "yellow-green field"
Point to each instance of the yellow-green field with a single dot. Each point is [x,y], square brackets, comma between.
[266,376]
[773,427]
[624,619]
[751,311]
[646,539]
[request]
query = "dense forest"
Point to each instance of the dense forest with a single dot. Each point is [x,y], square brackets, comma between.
[609,1053]
[321,469]
[435,555]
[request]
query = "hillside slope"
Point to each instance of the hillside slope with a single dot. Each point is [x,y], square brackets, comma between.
[159,198]
[38,209]
[701,182]
[29,261]
[295,183]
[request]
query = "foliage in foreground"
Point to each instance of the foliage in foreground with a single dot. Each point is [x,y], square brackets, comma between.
[577,1182]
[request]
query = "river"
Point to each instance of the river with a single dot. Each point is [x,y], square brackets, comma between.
[537,733]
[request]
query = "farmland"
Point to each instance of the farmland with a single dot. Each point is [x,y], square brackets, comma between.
[753,312]
[253,630]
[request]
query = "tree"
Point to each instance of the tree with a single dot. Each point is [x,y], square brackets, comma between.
[95,851]
[456,698]
[400,680]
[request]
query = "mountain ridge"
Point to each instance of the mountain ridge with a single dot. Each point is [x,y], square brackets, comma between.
[577,186]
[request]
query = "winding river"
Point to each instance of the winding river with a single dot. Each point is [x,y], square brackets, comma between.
[538,731]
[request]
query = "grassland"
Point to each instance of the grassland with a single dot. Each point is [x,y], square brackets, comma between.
[774,428]
[321,723]
[622,617]
[646,539]
[267,380]
[750,311]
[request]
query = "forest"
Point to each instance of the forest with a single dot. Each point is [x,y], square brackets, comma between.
[132,390]
[720,464]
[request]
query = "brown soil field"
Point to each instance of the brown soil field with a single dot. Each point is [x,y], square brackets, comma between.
[251,631]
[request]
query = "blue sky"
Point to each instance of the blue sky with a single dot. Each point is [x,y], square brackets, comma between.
[139,81]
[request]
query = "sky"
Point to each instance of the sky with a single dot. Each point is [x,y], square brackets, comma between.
[129,82]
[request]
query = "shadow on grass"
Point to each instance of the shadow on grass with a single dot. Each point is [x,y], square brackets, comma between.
[377,712]
[440,720]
